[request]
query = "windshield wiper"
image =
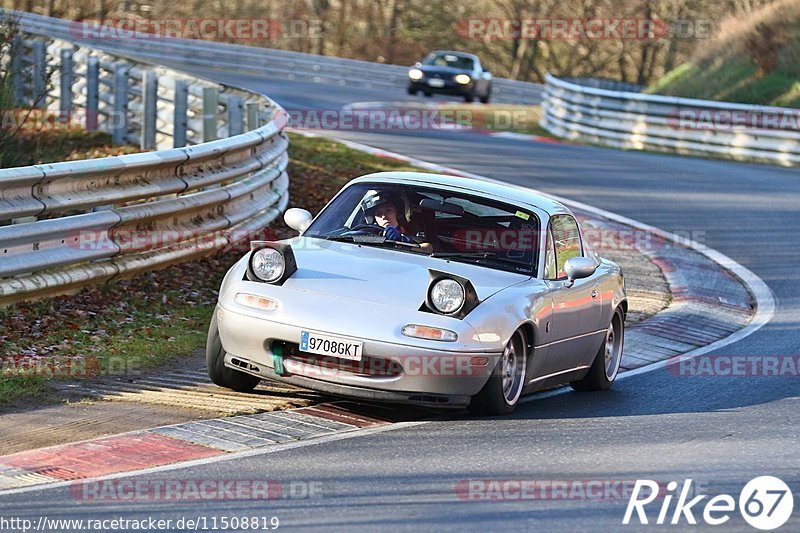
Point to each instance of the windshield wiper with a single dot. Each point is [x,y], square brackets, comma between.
[359,239]
[482,256]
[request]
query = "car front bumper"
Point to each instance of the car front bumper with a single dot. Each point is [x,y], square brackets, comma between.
[396,368]
[450,87]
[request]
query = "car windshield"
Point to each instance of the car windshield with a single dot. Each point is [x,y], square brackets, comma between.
[449,60]
[443,224]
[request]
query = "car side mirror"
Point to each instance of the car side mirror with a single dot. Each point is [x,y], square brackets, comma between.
[297,219]
[578,268]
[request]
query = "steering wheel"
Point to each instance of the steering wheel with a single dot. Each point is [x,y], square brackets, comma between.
[408,244]
[377,230]
[366,228]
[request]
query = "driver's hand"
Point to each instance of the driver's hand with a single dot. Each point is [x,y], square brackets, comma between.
[392,233]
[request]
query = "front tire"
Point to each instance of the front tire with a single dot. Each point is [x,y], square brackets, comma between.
[412,92]
[503,390]
[215,362]
[606,363]
[485,98]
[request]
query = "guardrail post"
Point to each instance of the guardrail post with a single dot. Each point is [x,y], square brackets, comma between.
[15,70]
[252,116]
[92,92]
[149,109]
[65,96]
[235,116]
[210,105]
[119,125]
[181,107]
[39,81]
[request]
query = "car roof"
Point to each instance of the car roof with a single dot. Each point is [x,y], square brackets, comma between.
[508,193]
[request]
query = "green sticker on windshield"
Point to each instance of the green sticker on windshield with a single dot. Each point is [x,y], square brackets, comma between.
[523,216]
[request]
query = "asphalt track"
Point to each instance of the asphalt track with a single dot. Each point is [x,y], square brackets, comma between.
[718,431]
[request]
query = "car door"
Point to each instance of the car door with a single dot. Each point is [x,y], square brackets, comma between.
[577,309]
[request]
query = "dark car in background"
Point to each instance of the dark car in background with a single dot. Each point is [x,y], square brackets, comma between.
[453,73]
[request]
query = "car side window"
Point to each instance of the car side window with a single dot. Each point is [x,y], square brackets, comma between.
[550,258]
[566,240]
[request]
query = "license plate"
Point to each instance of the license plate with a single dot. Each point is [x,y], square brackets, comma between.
[329,345]
[436,82]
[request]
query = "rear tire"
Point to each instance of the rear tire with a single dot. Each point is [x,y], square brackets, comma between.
[215,362]
[606,363]
[503,390]
[428,94]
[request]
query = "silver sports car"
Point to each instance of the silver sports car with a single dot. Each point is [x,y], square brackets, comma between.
[423,288]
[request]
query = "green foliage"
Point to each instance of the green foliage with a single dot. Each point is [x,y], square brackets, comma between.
[9,139]
[755,60]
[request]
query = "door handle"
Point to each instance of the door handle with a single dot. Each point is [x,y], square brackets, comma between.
[594,294]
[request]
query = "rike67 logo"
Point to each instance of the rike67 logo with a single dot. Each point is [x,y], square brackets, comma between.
[765,503]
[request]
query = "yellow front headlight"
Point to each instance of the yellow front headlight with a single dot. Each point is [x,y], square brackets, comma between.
[463,79]
[415,74]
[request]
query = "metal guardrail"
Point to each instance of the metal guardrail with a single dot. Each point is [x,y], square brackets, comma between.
[639,121]
[278,64]
[69,224]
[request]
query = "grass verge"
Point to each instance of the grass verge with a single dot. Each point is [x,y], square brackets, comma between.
[753,59]
[132,325]
[39,147]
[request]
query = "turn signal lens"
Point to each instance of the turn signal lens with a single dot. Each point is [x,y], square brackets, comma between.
[429,333]
[256,302]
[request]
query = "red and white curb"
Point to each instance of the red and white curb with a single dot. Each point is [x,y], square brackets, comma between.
[187,442]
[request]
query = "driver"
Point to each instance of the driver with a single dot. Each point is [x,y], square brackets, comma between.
[384,209]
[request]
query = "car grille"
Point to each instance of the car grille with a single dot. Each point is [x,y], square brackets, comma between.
[367,367]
